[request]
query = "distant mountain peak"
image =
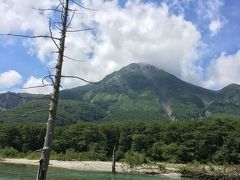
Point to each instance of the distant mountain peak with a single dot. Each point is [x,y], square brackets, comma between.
[145,92]
[142,66]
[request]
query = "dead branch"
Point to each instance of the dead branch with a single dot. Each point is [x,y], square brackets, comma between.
[57,27]
[57,22]
[70,22]
[51,34]
[60,3]
[76,77]
[80,30]
[40,86]
[42,9]
[48,76]
[27,36]
[81,6]
[63,10]
[72,59]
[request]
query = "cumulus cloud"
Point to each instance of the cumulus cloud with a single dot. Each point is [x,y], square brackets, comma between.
[9,79]
[21,16]
[137,33]
[33,82]
[215,26]
[223,71]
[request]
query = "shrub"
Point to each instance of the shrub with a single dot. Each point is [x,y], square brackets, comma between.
[32,155]
[8,152]
[161,167]
[90,156]
[134,159]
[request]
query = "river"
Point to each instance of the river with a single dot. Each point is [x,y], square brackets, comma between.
[28,172]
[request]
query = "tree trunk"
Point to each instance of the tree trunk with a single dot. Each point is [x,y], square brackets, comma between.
[114,159]
[44,161]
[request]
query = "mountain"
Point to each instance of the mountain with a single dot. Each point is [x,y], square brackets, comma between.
[10,100]
[144,92]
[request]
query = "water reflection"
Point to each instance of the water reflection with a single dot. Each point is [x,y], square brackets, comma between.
[25,172]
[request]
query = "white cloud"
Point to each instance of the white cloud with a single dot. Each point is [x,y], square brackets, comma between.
[137,33]
[140,32]
[21,16]
[33,82]
[223,71]
[9,79]
[215,26]
[211,11]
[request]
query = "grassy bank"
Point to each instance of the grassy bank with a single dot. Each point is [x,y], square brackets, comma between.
[210,171]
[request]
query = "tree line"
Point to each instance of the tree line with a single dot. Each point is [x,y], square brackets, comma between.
[216,141]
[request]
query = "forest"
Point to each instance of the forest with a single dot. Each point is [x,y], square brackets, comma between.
[205,141]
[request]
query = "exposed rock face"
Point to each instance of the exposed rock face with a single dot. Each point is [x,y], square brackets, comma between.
[10,100]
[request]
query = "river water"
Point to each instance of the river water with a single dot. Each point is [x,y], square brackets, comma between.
[27,172]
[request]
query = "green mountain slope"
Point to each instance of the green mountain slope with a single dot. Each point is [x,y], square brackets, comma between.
[227,103]
[137,91]
[140,91]
[69,112]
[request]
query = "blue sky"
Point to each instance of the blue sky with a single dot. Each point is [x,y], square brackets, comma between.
[197,41]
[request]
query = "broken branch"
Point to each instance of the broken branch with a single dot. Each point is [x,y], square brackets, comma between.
[27,36]
[40,86]
[51,34]
[76,77]
[79,30]
[70,22]
[42,9]
[73,59]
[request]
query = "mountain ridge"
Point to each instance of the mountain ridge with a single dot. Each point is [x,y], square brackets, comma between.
[142,91]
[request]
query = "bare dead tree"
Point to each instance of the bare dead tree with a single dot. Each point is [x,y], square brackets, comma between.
[114,158]
[65,22]
[46,150]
